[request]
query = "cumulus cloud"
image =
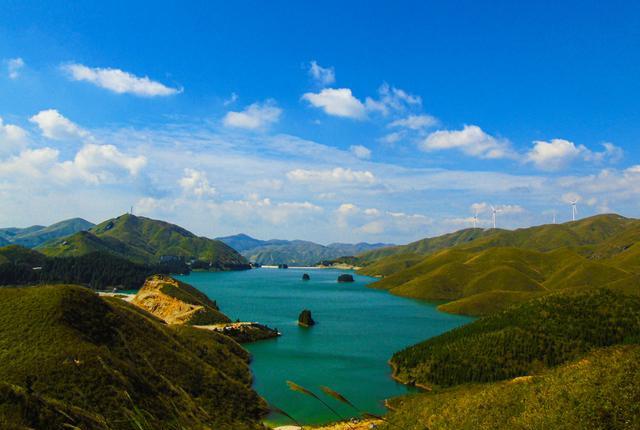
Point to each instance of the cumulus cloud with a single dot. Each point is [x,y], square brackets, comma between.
[276,213]
[195,182]
[391,99]
[360,151]
[12,138]
[322,75]
[54,125]
[559,153]
[119,81]
[415,122]
[14,67]
[337,102]
[100,164]
[336,176]
[255,116]
[471,140]
[483,207]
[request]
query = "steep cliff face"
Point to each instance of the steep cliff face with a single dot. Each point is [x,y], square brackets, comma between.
[177,303]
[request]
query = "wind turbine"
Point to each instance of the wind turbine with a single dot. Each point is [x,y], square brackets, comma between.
[494,211]
[554,212]
[574,209]
[475,219]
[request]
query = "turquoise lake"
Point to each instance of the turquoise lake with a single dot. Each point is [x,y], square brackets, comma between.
[357,331]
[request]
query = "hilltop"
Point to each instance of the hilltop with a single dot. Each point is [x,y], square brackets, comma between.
[30,237]
[147,241]
[293,252]
[115,366]
[482,271]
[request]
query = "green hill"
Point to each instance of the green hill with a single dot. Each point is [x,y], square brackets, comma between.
[543,332]
[514,266]
[600,391]
[147,241]
[71,359]
[33,236]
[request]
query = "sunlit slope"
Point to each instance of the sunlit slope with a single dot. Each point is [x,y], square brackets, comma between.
[578,234]
[145,240]
[599,391]
[528,262]
[110,362]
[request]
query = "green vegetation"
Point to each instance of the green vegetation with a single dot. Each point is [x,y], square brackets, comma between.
[484,271]
[543,332]
[600,391]
[72,359]
[33,236]
[146,241]
[97,270]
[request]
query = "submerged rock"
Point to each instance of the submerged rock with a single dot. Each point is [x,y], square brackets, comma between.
[345,278]
[305,318]
[306,277]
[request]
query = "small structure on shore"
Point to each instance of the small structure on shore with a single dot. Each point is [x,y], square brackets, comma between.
[345,278]
[305,319]
[306,277]
[283,266]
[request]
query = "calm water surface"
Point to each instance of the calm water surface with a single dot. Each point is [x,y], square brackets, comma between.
[357,331]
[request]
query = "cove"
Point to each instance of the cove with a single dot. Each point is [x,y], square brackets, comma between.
[357,331]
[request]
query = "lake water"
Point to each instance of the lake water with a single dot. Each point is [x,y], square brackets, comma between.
[357,331]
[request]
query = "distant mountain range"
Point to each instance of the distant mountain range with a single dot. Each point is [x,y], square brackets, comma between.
[293,252]
[36,235]
[146,241]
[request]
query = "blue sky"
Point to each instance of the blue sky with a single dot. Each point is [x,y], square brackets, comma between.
[324,121]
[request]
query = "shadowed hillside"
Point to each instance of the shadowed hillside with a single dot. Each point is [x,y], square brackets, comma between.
[33,236]
[115,366]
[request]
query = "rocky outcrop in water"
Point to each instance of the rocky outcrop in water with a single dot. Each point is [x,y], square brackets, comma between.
[345,278]
[305,319]
[306,277]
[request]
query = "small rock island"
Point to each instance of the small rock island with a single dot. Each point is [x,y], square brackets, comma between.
[305,319]
[345,278]
[306,277]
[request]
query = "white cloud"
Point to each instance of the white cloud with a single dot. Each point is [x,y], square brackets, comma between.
[322,75]
[483,207]
[55,126]
[253,207]
[471,140]
[255,116]
[415,122]
[337,175]
[30,163]
[360,151]
[14,66]
[392,138]
[119,81]
[559,153]
[195,182]
[98,164]
[341,102]
[337,102]
[12,138]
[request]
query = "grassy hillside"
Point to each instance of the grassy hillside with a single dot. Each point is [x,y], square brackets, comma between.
[144,240]
[599,391]
[543,332]
[489,273]
[33,236]
[115,366]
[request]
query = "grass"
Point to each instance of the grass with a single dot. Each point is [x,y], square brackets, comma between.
[110,360]
[599,391]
